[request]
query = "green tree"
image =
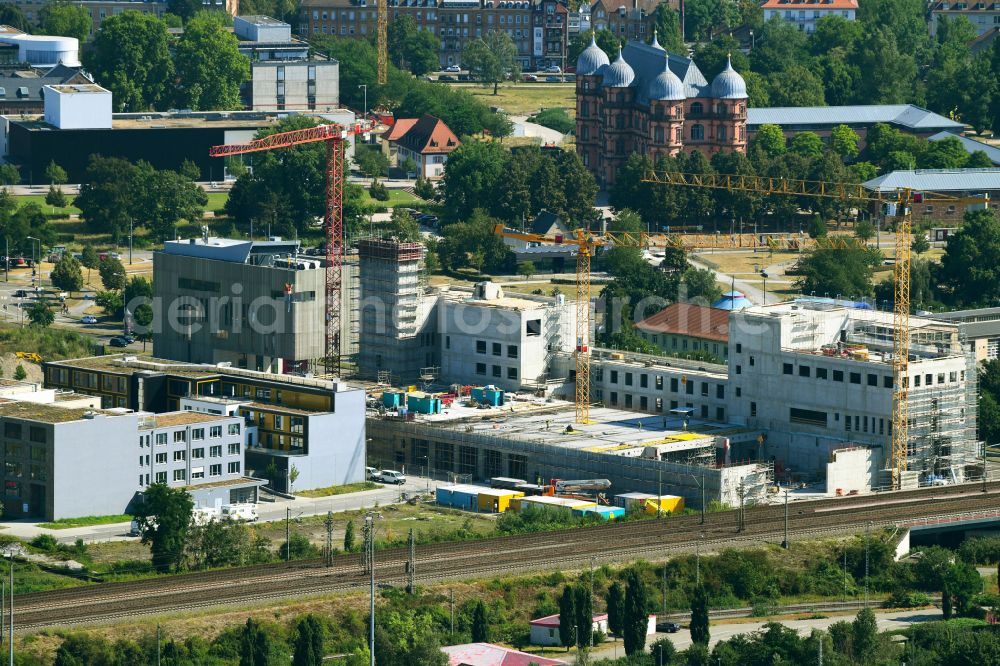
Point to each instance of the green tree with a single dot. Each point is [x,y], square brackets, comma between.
[40,314]
[526,269]
[11,14]
[89,258]
[167,199]
[635,618]
[834,32]
[584,616]
[770,139]
[605,39]
[109,195]
[20,374]
[969,275]
[55,197]
[209,65]
[615,600]
[309,637]
[130,56]
[372,161]
[491,58]
[817,227]
[844,142]
[663,652]
[66,274]
[864,230]
[845,272]
[190,170]
[110,301]
[424,188]
[113,274]
[567,618]
[667,28]
[349,536]
[184,9]
[54,173]
[920,243]
[66,20]
[864,636]
[164,518]
[807,144]
[9,175]
[712,56]
[963,582]
[480,623]
[256,648]
[699,617]
[413,49]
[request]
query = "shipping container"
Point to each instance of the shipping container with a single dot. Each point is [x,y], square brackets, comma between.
[664,504]
[488,395]
[423,403]
[535,489]
[445,495]
[554,503]
[392,399]
[496,500]
[506,482]
[606,512]
[628,500]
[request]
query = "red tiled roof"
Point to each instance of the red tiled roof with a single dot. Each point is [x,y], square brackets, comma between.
[697,321]
[810,4]
[401,127]
[487,654]
[429,135]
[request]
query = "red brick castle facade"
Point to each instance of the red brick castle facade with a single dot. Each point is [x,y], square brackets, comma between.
[652,102]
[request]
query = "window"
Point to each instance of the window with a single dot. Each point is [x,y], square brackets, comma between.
[720,391]
[161,477]
[697,132]
[233,467]
[696,108]
[215,470]
[753,361]
[497,349]
[804,371]
[855,377]
[12,430]
[215,431]
[821,373]
[689,387]
[511,373]
[480,368]
[197,473]
[739,391]
[704,388]
[613,399]
[180,436]
[753,409]
[887,381]
[180,456]
[215,451]
[628,379]
[533,327]
[511,351]
[739,369]
[673,384]
[234,448]
[838,375]
[872,380]
[739,348]
[659,383]
[161,458]
[628,401]
[614,376]
[197,454]
[37,434]
[721,132]
[480,346]
[180,475]
[786,368]
[496,370]
[198,433]
[644,381]
[807,416]
[234,428]
[720,413]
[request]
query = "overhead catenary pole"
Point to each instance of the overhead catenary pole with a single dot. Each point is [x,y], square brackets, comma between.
[329,538]
[411,565]
[784,544]
[10,631]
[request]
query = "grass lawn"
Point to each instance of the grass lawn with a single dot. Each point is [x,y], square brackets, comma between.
[396,198]
[216,201]
[338,490]
[524,99]
[85,521]
[39,199]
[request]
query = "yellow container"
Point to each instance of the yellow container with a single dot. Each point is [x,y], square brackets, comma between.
[497,500]
[664,504]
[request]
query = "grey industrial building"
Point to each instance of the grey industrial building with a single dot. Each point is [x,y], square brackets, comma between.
[255,304]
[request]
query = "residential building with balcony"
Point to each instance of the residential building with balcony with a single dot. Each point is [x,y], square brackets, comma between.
[985,16]
[805,13]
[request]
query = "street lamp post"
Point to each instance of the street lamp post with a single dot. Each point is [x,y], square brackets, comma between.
[34,259]
[130,241]
[763,276]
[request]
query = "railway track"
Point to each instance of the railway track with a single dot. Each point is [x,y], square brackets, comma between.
[520,554]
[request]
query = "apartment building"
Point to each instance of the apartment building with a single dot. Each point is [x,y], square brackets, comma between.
[805,13]
[316,425]
[985,16]
[539,28]
[628,21]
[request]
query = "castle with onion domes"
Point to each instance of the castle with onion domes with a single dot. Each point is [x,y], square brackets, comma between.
[654,103]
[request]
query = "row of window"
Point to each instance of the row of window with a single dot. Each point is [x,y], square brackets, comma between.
[197,473]
[196,454]
[870,379]
[14,430]
[496,349]
[496,371]
[675,383]
[197,434]
[643,403]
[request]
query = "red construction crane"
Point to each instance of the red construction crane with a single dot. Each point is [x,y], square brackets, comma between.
[334,136]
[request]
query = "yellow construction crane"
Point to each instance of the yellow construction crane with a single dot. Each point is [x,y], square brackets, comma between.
[903,199]
[382,39]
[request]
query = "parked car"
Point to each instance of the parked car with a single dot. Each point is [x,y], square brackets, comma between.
[552,79]
[446,77]
[88,319]
[370,473]
[453,68]
[88,297]
[390,476]
[553,69]
[530,78]
[119,341]
[20,293]
[668,627]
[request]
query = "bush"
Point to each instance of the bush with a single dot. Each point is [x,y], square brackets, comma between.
[378,191]
[556,119]
[905,599]
[424,189]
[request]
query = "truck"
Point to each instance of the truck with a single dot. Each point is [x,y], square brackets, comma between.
[390,476]
[240,512]
[203,515]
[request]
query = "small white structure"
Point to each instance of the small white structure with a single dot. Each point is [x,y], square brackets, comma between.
[42,50]
[545,630]
[78,106]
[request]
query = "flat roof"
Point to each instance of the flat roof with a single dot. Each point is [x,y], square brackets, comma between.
[170,419]
[611,430]
[73,88]
[906,115]
[938,180]
[47,413]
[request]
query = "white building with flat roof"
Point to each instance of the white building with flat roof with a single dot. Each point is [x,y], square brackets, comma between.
[78,106]
[42,50]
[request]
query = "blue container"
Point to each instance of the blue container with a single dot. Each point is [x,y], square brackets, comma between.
[392,399]
[488,395]
[443,496]
[465,500]
[423,403]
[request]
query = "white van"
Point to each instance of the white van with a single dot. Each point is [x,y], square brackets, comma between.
[203,515]
[241,512]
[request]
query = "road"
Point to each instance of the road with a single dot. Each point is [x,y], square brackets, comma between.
[268,511]
[725,630]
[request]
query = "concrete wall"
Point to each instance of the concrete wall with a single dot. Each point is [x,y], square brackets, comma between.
[78,110]
[853,469]
[93,466]
[321,93]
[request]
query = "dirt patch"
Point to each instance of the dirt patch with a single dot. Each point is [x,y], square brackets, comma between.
[9,363]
